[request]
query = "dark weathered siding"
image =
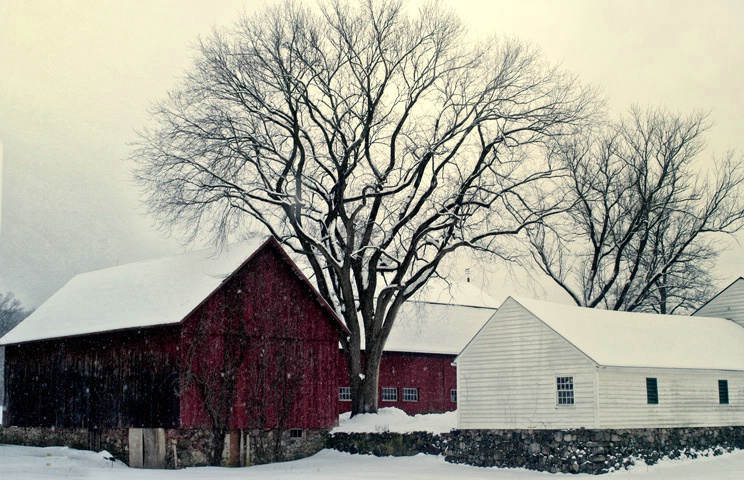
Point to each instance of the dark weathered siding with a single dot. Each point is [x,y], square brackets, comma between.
[283,337]
[112,380]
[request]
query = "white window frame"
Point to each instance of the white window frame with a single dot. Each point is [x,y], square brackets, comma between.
[410,394]
[566,396]
[344,394]
[453,395]
[389,394]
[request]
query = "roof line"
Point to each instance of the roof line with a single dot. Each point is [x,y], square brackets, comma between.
[561,336]
[224,281]
[288,261]
[536,318]
[717,295]
[323,303]
[483,307]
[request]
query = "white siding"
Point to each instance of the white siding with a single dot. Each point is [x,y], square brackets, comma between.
[506,376]
[727,304]
[687,398]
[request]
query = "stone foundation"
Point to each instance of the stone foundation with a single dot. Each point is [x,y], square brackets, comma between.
[569,451]
[183,448]
[189,448]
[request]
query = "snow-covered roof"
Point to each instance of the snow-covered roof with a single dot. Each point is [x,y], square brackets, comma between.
[425,327]
[143,294]
[627,339]
[438,290]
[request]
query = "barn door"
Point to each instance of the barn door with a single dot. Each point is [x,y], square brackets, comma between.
[147,448]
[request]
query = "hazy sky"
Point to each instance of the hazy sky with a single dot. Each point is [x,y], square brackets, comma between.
[77,77]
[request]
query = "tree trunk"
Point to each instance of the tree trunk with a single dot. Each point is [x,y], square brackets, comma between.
[368,400]
[364,398]
[365,379]
[663,295]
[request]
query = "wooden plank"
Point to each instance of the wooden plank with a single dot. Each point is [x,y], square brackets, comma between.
[153,448]
[136,457]
[234,456]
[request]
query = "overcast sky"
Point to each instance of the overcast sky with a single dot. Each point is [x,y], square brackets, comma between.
[77,77]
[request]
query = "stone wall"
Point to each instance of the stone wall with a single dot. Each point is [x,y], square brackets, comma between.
[389,444]
[189,448]
[585,451]
[570,451]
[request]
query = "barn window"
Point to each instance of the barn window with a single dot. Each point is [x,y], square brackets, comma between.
[344,394]
[410,395]
[565,390]
[652,391]
[295,433]
[389,394]
[723,392]
[453,395]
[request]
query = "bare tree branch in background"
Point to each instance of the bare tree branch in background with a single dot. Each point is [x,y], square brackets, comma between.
[641,234]
[373,142]
[11,312]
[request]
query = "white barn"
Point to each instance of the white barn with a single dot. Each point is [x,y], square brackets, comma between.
[542,365]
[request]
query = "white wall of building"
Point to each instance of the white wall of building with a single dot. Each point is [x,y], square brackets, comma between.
[687,398]
[506,376]
[727,304]
[507,380]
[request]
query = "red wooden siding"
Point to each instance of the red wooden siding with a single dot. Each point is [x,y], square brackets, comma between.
[433,375]
[264,324]
[265,317]
[110,380]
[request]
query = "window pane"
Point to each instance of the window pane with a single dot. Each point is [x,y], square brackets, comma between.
[723,391]
[453,396]
[410,395]
[389,394]
[344,394]
[565,390]
[652,391]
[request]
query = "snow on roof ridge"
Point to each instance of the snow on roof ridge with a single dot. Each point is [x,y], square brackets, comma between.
[140,294]
[639,339]
[436,328]
[469,305]
[217,252]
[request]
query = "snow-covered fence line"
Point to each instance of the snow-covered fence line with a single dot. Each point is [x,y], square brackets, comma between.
[568,451]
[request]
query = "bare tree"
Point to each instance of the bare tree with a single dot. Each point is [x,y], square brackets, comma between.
[641,232]
[11,312]
[373,142]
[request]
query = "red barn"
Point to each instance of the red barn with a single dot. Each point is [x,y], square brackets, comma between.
[416,371]
[233,341]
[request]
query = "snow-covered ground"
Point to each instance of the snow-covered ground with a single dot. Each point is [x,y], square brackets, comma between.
[59,463]
[396,420]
